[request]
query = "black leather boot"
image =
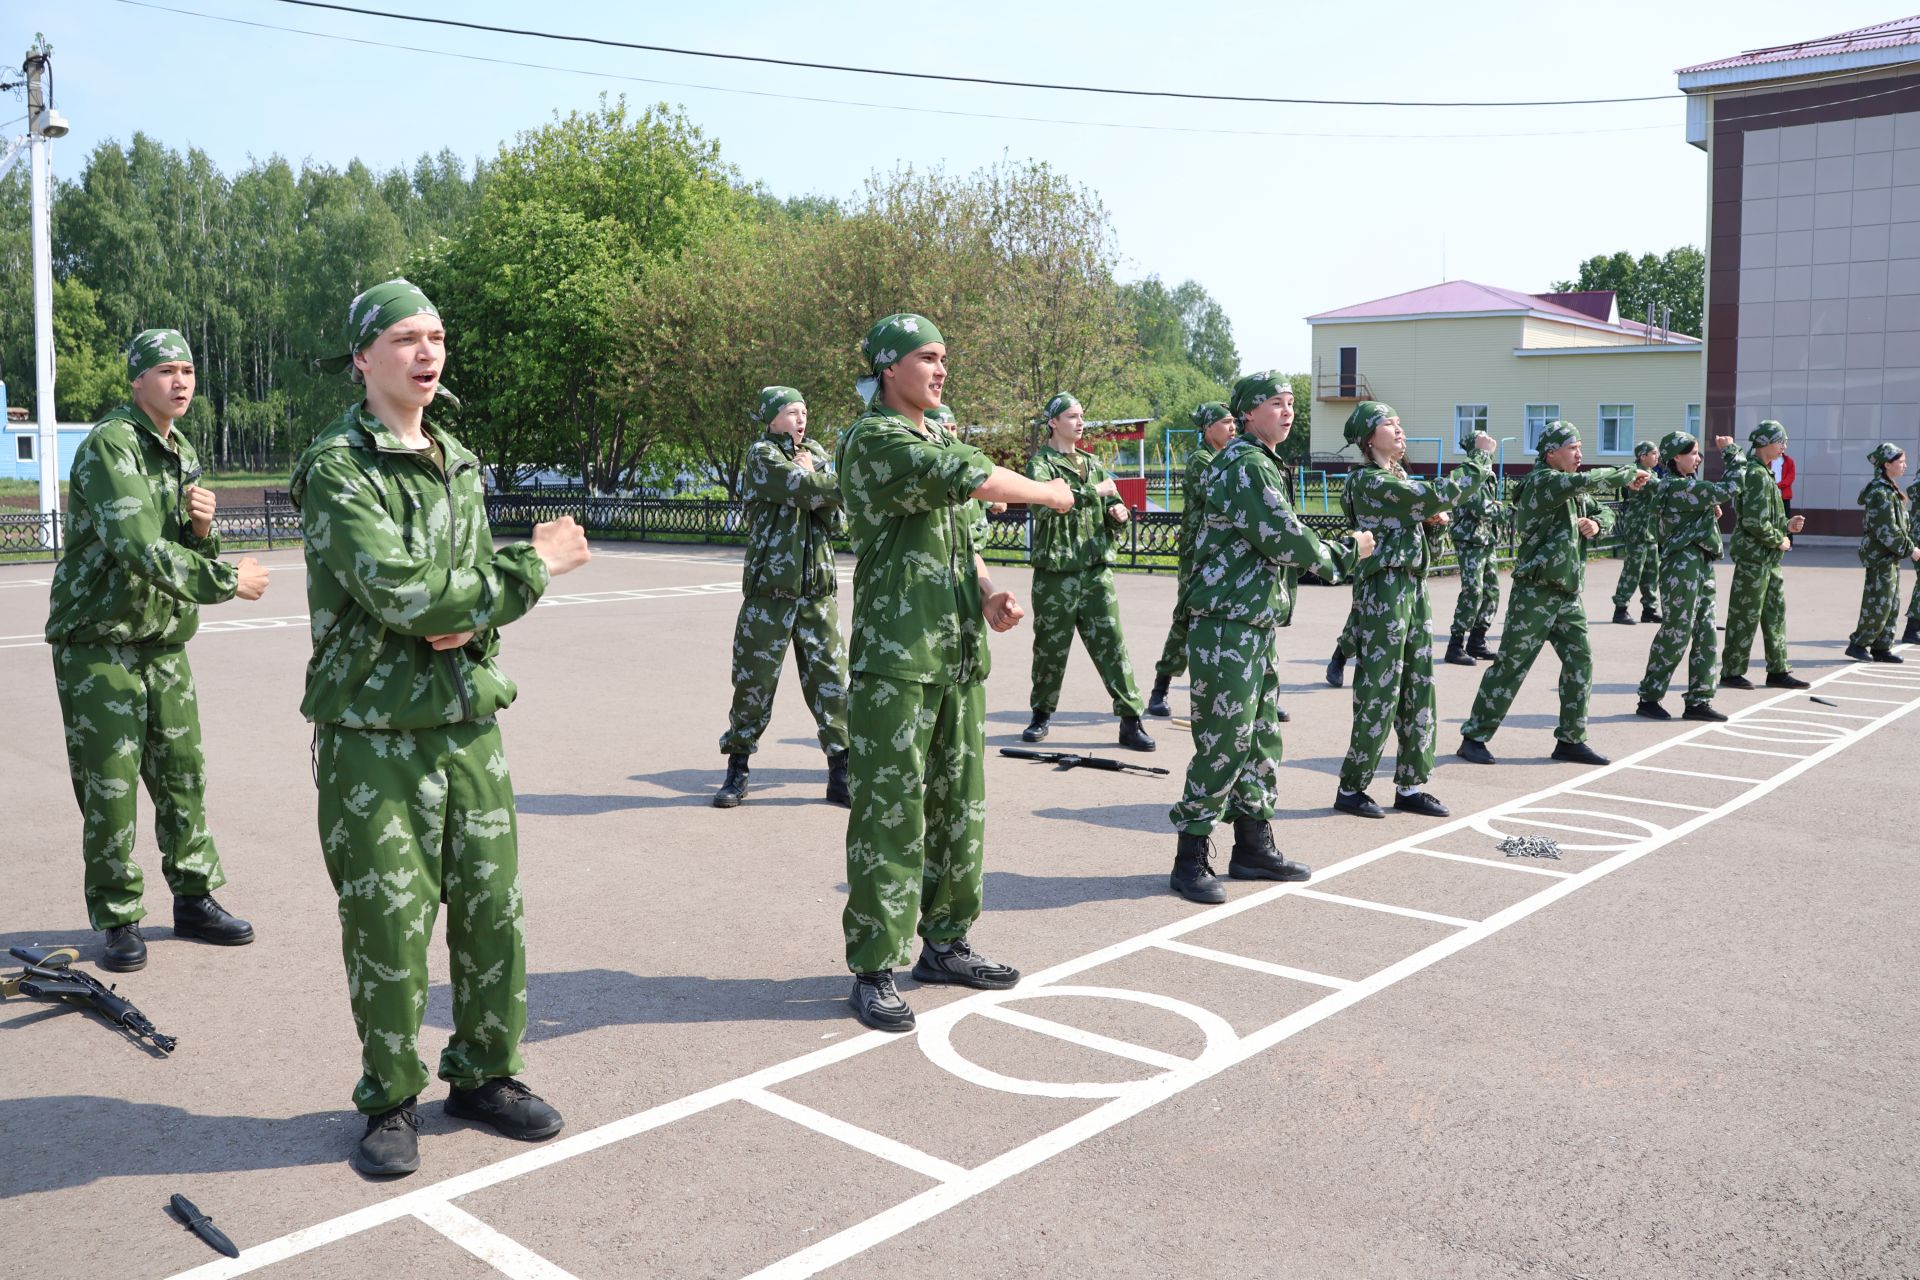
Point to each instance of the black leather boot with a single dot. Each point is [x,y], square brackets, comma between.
[1337,669]
[837,792]
[1477,645]
[1457,652]
[1256,858]
[1132,736]
[1193,877]
[1912,634]
[126,949]
[207,920]
[1037,731]
[734,789]
[1157,700]
[1621,616]
[1650,614]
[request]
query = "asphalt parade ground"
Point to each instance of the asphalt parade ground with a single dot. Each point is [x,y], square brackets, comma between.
[1685,1047]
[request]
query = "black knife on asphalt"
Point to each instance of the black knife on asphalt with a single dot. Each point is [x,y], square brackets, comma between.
[201,1225]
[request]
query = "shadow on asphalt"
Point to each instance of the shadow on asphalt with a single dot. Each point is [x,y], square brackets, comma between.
[572,1001]
[695,788]
[146,1139]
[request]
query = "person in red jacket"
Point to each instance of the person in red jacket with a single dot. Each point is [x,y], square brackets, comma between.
[1783,476]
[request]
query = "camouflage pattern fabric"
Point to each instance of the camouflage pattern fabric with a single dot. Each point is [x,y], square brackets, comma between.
[1913,533]
[1757,597]
[1236,735]
[1393,619]
[405,817]
[1193,493]
[132,717]
[1083,601]
[1248,535]
[1885,540]
[1066,541]
[1683,512]
[1476,539]
[766,627]
[152,347]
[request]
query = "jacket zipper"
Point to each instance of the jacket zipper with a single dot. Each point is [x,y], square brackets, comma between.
[453,558]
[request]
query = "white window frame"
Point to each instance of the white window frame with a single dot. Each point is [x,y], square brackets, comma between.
[1693,421]
[23,450]
[1462,421]
[1623,446]
[1530,433]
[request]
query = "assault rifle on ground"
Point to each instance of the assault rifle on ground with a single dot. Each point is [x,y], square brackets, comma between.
[1073,760]
[47,976]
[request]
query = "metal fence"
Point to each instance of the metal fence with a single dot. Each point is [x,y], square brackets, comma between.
[28,537]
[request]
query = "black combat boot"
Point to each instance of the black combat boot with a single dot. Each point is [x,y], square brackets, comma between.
[734,789]
[837,792]
[1157,700]
[1912,634]
[1457,651]
[1037,731]
[1650,614]
[1193,877]
[1477,645]
[1621,616]
[203,918]
[1474,751]
[1337,668]
[1858,652]
[1132,736]
[1887,655]
[1256,858]
[126,949]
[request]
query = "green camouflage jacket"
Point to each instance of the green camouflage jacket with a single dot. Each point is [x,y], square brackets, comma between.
[1477,518]
[1636,525]
[398,550]
[1193,495]
[132,572]
[1066,541]
[1683,510]
[1759,513]
[1248,537]
[1884,536]
[1394,507]
[1547,507]
[792,517]
[916,593]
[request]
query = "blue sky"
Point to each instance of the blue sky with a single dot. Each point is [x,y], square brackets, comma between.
[1276,224]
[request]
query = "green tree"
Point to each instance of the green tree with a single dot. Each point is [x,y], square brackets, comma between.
[90,371]
[1676,279]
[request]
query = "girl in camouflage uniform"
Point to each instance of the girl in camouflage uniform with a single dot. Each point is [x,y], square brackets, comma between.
[1912,633]
[1686,511]
[1073,578]
[1639,547]
[1215,423]
[1885,540]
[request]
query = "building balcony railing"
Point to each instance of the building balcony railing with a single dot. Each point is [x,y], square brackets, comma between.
[1342,386]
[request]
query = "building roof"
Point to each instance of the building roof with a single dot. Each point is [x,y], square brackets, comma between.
[1594,308]
[1875,45]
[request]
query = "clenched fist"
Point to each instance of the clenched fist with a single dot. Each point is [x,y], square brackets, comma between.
[253,579]
[561,544]
[200,504]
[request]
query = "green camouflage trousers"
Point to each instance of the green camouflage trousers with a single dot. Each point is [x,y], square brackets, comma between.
[765,628]
[1639,567]
[917,834]
[1686,587]
[1479,591]
[1085,601]
[407,818]
[1537,616]
[1757,598]
[1913,605]
[1173,655]
[1393,682]
[1879,603]
[132,717]
[1236,736]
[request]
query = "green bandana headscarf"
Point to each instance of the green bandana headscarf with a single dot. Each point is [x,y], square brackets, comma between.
[1557,435]
[940,414]
[1644,448]
[375,311]
[1059,405]
[1366,416]
[1768,432]
[1208,414]
[1255,389]
[152,347]
[1884,453]
[1675,443]
[774,399]
[889,339]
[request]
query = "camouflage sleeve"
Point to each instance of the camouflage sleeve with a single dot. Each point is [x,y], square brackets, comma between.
[1691,493]
[1400,501]
[347,527]
[771,476]
[1881,523]
[115,488]
[1750,487]
[1598,512]
[1260,514]
[890,471]
[1913,511]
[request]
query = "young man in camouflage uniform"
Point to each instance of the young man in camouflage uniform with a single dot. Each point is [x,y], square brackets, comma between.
[1392,617]
[1885,540]
[1216,426]
[1640,547]
[1558,517]
[1248,537]
[1476,537]
[1761,535]
[1686,511]
[1073,578]
[791,593]
[407,595]
[1912,633]
[140,559]
[916,706]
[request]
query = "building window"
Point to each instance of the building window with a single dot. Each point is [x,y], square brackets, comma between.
[23,448]
[1538,416]
[1693,421]
[1616,428]
[1467,420]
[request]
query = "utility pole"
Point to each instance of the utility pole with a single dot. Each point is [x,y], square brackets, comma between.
[44,124]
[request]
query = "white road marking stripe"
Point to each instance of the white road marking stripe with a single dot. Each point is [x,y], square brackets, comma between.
[1085,1039]
[1745,751]
[1660,804]
[504,1254]
[1257,966]
[1492,862]
[1368,904]
[1841,697]
[874,1144]
[1695,773]
[1809,711]
[1576,829]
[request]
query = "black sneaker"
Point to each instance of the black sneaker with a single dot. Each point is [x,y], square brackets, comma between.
[1912,634]
[207,920]
[1702,711]
[1359,804]
[1037,730]
[1887,655]
[877,1003]
[1337,669]
[1858,652]
[126,949]
[1652,710]
[1474,751]
[1255,856]
[1157,700]
[837,792]
[1421,803]
[513,1110]
[1735,682]
[1133,736]
[959,965]
[1621,616]
[734,788]
[1578,753]
[391,1144]
[1193,877]
[1785,680]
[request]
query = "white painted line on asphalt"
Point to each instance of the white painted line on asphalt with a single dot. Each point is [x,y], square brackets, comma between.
[1745,751]
[504,1254]
[1257,966]
[1367,904]
[1695,773]
[1658,804]
[1871,684]
[1576,828]
[1085,1039]
[1809,711]
[874,1144]
[1885,702]
[1493,862]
